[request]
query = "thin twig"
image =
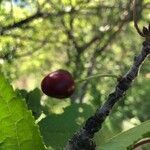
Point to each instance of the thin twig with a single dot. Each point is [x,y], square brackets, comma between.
[135,19]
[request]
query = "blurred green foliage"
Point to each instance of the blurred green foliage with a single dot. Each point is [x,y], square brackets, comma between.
[85,37]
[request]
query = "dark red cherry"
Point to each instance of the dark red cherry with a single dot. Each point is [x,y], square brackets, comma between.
[59,84]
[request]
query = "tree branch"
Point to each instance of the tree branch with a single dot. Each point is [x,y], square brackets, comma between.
[20,23]
[30,19]
[83,138]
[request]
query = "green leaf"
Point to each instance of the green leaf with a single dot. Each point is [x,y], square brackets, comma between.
[33,102]
[57,129]
[33,99]
[126,139]
[18,130]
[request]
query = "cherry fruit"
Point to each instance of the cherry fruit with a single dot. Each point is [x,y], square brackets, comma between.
[58,84]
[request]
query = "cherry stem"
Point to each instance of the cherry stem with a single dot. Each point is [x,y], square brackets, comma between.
[96,76]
